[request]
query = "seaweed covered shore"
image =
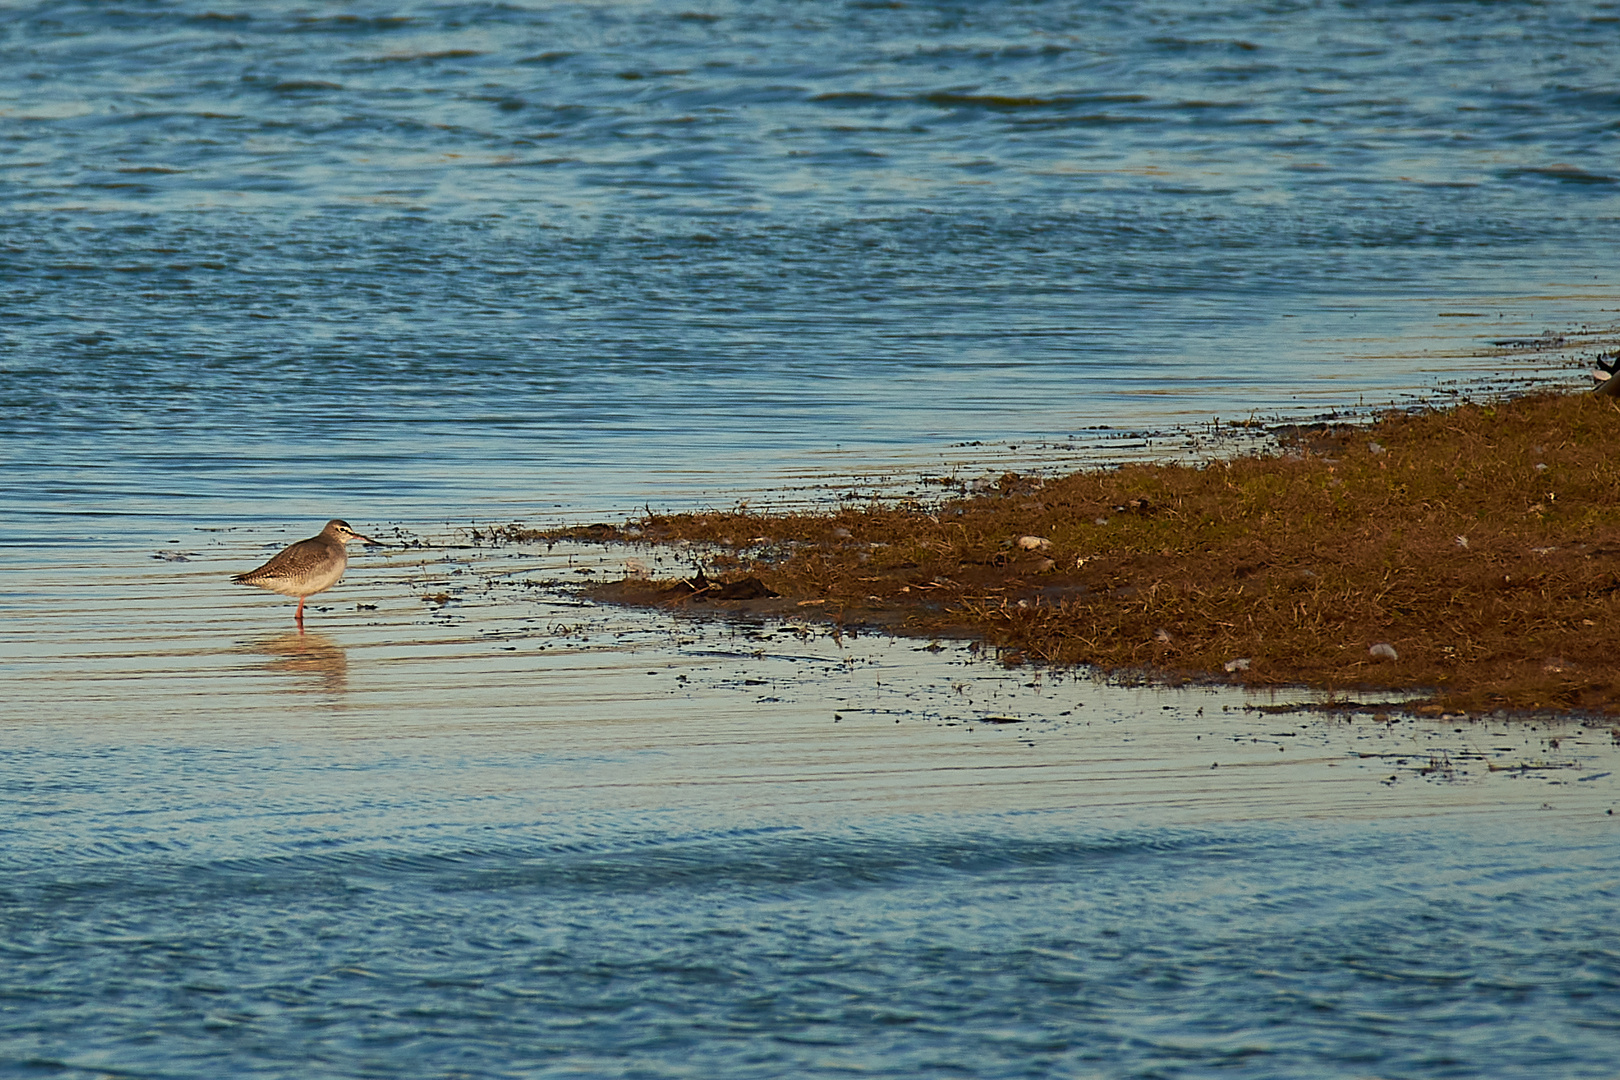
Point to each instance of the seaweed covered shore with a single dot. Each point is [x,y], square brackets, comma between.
[1470,554]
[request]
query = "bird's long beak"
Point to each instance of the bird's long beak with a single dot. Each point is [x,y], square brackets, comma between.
[369,542]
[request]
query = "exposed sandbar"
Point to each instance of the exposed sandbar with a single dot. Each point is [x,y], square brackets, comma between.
[1471,554]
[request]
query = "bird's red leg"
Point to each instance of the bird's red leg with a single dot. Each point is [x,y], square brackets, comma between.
[298,615]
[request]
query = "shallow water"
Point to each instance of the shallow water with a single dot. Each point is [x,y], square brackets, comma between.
[507,833]
[426,265]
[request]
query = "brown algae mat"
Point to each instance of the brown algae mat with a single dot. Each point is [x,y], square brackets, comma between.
[1470,555]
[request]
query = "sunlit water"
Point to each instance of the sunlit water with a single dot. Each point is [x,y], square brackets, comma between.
[420,266]
[466,825]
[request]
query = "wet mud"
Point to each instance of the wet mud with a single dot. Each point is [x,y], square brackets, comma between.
[1468,556]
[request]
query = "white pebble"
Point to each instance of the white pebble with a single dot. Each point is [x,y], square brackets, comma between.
[1240,664]
[1034,543]
[1383,650]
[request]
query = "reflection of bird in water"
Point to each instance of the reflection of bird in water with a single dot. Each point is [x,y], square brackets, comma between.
[307,567]
[308,654]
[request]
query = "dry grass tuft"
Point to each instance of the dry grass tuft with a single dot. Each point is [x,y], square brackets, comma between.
[1480,544]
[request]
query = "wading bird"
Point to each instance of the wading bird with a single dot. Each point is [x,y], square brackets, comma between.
[307,567]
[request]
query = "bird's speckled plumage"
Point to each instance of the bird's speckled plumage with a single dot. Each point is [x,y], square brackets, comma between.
[307,567]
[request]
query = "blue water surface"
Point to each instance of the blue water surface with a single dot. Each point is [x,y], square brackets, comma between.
[450,261]
[426,264]
[969,945]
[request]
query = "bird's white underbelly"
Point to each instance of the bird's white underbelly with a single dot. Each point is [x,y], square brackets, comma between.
[308,585]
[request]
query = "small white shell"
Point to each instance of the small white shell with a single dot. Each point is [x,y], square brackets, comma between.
[1240,664]
[1383,650]
[1034,543]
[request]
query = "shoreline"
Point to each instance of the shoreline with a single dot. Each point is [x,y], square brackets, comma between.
[1469,554]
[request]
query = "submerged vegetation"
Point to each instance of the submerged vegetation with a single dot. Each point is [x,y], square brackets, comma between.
[1470,554]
